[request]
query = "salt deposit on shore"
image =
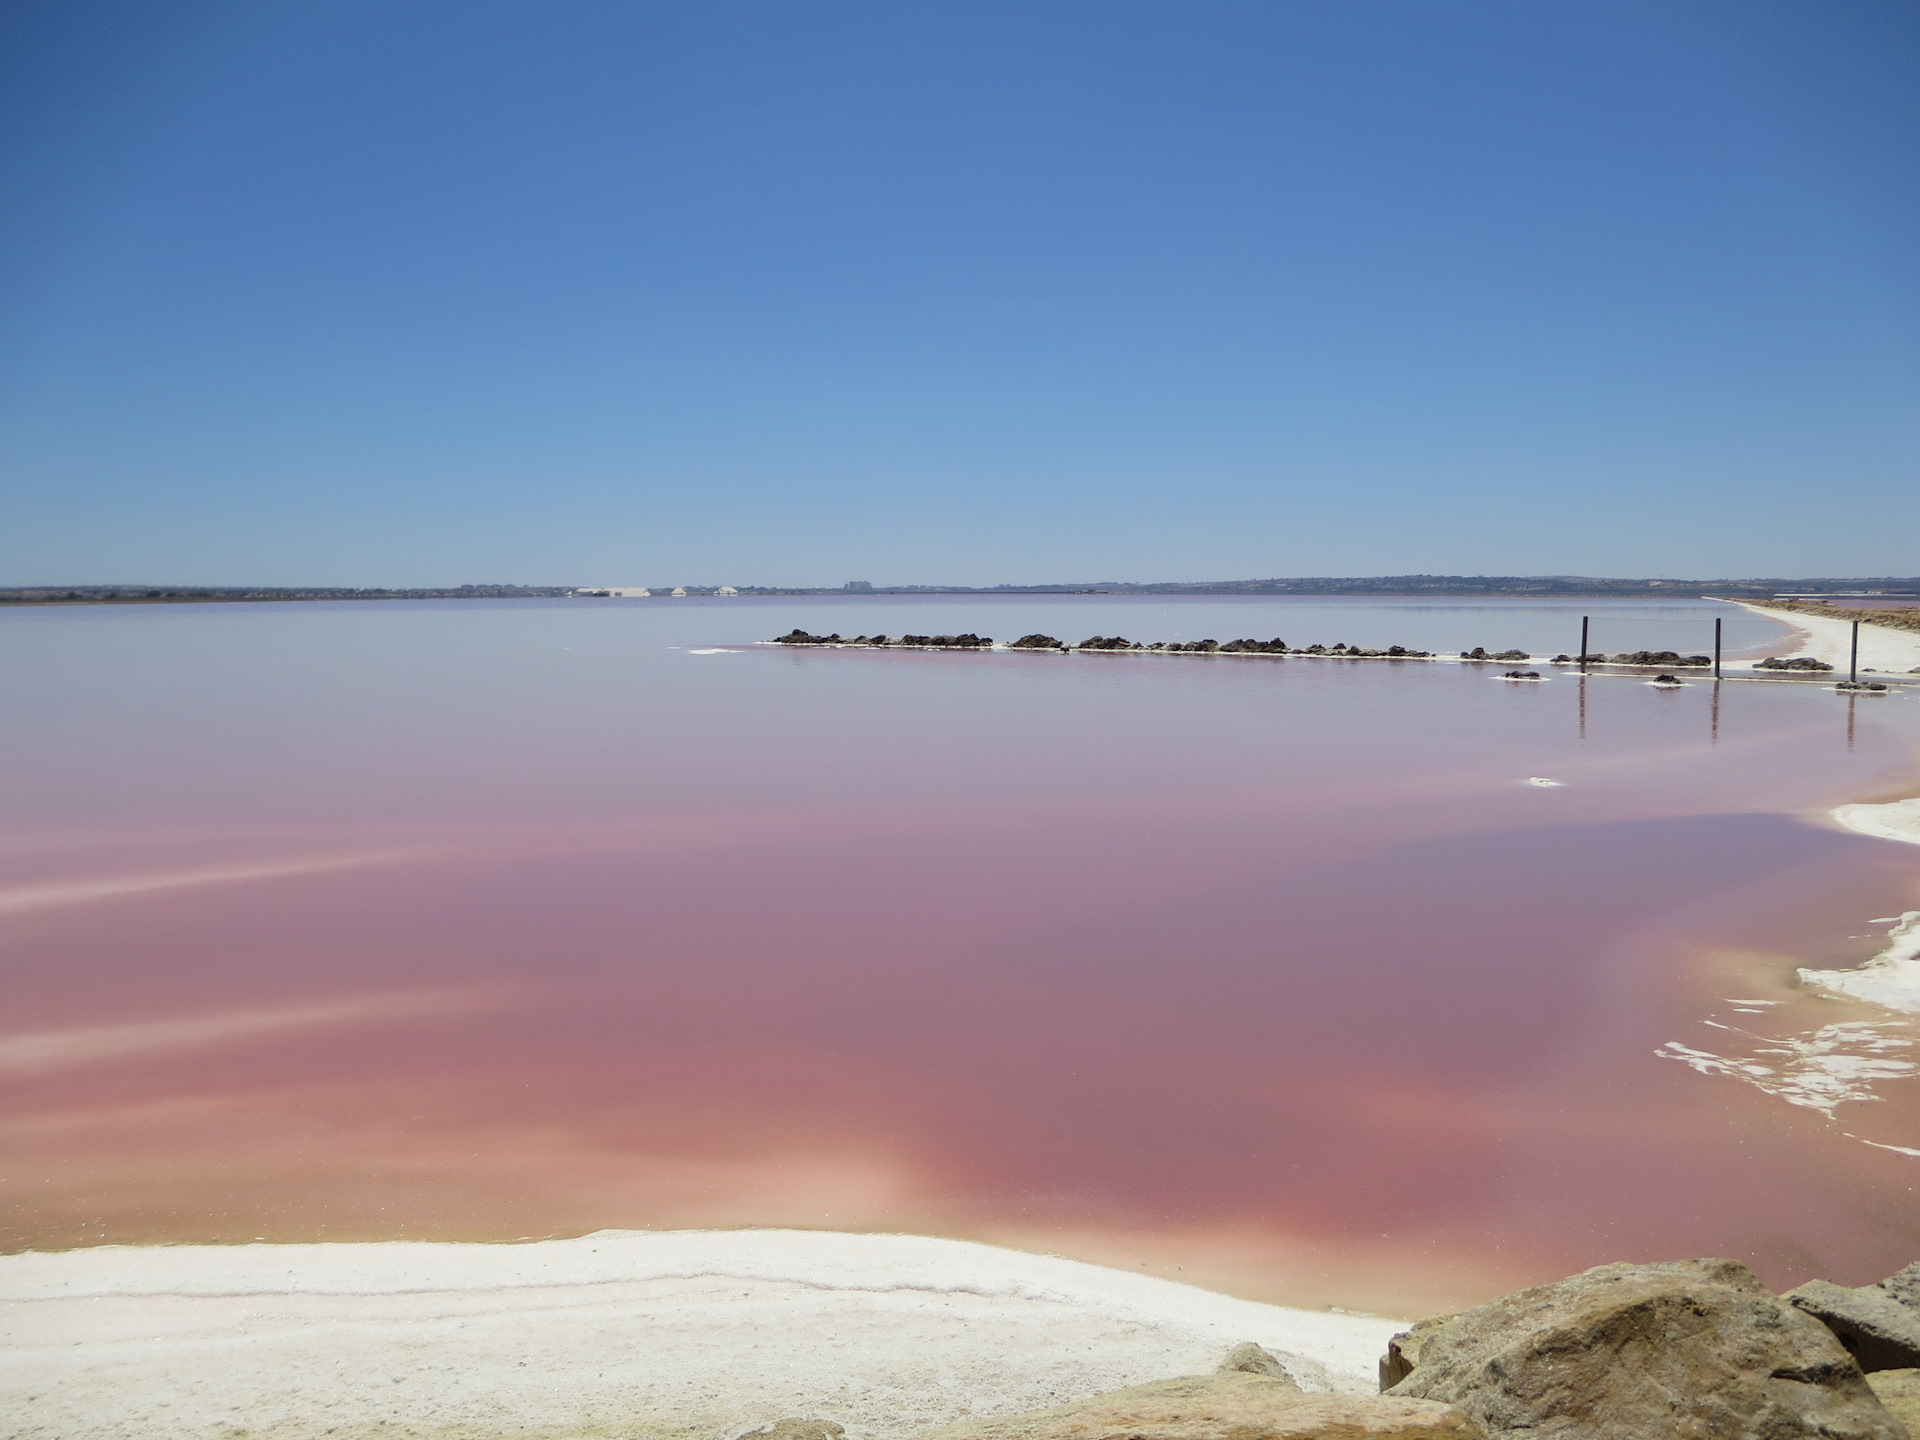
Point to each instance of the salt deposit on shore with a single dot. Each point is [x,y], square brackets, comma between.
[1891,978]
[1899,820]
[1882,649]
[678,1333]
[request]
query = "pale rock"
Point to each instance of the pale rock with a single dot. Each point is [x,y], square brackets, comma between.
[797,1430]
[1687,1349]
[1230,1405]
[1879,1324]
[1899,1391]
[1255,1359]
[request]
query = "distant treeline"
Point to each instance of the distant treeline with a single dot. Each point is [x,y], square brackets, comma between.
[189,594]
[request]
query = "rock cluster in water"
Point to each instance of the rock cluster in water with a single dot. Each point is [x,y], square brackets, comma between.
[939,642]
[1803,662]
[1677,1350]
[1479,652]
[1120,642]
[1665,658]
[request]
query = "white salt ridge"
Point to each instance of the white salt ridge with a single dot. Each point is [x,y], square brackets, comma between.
[1890,979]
[680,1333]
[1819,1070]
[1898,820]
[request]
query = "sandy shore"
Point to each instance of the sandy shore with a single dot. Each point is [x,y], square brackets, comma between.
[1882,649]
[677,1333]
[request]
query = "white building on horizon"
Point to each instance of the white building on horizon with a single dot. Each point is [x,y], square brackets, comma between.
[613,592]
[726,590]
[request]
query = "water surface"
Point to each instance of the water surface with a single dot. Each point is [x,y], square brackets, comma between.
[483,920]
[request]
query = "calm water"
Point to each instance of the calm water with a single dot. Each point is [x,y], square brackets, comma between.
[498,919]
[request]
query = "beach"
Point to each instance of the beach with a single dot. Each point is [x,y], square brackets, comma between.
[689,1333]
[1883,650]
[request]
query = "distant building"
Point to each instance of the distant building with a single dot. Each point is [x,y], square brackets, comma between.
[859,585]
[679,592]
[614,592]
[726,590]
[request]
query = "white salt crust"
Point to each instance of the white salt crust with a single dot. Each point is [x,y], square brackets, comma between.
[681,1333]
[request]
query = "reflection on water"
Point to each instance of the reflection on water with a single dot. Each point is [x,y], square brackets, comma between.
[503,920]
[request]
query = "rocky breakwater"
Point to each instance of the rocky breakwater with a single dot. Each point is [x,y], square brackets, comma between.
[1663,659]
[1238,647]
[1097,644]
[897,642]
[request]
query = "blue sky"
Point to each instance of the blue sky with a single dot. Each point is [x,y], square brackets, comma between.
[412,292]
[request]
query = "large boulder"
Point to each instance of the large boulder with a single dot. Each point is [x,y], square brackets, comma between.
[1231,1405]
[1688,1349]
[1879,1324]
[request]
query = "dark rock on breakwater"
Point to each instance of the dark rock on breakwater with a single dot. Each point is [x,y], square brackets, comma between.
[1036,641]
[1803,662]
[1659,657]
[1479,652]
[1665,658]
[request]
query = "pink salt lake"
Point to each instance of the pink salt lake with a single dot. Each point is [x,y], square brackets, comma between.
[494,920]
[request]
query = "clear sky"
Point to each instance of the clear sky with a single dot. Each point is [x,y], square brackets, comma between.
[411,292]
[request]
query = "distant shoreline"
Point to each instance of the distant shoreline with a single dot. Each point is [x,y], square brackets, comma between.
[1429,587]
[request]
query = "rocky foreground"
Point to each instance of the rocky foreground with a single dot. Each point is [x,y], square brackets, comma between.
[1689,1349]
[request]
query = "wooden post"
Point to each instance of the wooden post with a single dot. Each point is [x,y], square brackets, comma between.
[1853,658]
[1583,642]
[1716,647]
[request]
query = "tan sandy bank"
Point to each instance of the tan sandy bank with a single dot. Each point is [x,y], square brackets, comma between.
[681,1333]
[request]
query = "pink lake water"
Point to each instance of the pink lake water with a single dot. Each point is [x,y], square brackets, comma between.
[491,920]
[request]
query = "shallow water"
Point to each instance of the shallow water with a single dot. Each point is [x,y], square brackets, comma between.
[495,919]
